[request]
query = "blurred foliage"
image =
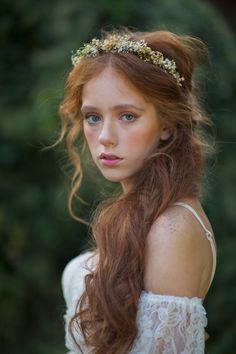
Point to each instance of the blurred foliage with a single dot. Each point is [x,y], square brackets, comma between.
[38,236]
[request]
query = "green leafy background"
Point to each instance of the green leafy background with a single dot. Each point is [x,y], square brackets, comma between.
[37,235]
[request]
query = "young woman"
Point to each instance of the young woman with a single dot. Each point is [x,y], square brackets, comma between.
[140,290]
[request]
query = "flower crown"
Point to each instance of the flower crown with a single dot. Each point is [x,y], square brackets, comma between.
[122,44]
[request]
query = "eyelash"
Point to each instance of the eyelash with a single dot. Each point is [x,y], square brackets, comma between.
[88,115]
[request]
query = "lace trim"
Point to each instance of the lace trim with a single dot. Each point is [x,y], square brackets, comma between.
[179,299]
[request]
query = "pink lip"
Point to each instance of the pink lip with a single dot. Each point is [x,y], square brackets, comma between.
[109,159]
[109,156]
[110,162]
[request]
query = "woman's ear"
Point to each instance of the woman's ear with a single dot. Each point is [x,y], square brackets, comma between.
[166,132]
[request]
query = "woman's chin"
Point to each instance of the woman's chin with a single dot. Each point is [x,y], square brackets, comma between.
[112,176]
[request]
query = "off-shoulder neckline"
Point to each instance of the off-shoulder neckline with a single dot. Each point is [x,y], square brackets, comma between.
[151,295]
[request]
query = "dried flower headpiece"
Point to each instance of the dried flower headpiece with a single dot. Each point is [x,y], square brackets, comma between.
[122,44]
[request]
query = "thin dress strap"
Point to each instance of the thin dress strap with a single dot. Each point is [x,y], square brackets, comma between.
[208,235]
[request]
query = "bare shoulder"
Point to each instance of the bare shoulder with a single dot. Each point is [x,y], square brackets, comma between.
[178,254]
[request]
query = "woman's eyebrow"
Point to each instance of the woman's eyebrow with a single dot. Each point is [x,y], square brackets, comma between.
[114,108]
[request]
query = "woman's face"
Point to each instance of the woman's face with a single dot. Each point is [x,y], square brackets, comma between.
[119,121]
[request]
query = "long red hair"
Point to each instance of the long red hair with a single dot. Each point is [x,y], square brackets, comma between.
[106,311]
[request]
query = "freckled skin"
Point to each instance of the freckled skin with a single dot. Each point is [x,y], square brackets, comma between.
[113,133]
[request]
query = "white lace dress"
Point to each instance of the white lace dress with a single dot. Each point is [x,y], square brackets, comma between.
[166,324]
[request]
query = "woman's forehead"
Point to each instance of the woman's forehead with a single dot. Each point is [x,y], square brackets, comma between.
[112,86]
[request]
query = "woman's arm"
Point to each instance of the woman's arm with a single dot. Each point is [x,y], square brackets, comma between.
[178,256]
[171,317]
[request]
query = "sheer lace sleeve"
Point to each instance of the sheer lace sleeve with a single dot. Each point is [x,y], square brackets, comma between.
[170,325]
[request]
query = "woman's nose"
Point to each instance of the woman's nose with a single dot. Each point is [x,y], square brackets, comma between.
[107,135]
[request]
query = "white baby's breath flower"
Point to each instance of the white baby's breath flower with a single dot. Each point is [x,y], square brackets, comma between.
[116,43]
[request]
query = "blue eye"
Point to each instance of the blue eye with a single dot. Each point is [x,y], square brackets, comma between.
[130,117]
[91,118]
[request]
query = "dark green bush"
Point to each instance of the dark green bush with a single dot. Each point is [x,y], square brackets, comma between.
[38,237]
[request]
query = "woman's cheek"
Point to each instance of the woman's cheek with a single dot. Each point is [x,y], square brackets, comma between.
[90,136]
[136,140]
